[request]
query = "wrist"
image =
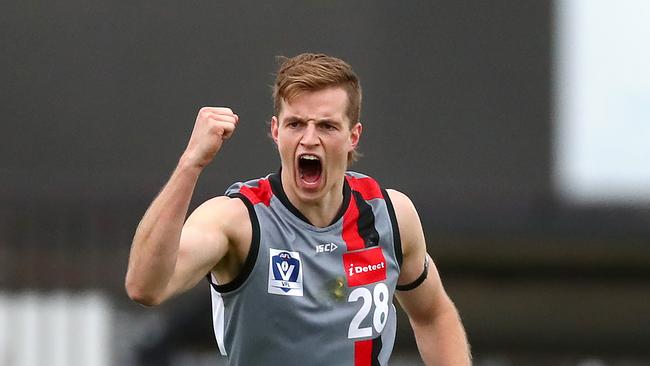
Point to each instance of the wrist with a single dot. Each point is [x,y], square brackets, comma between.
[187,164]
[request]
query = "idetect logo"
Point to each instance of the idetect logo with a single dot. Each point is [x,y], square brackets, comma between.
[364,267]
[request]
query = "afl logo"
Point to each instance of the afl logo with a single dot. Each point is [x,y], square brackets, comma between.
[285,273]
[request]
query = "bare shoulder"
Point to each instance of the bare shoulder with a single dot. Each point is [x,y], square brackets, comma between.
[411,234]
[219,209]
[399,199]
[405,212]
[224,214]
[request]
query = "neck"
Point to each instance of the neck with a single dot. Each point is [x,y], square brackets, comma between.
[320,211]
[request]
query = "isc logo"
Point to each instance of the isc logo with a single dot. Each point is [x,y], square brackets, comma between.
[329,247]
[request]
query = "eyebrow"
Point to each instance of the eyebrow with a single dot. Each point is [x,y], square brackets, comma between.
[329,120]
[292,119]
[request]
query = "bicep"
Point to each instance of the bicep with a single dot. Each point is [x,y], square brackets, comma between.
[424,301]
[197,254]
[204,242]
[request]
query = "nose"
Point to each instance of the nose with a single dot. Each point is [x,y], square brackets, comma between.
[310,137]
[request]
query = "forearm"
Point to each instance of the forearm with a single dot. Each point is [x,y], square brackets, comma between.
[442,341]
[155,244]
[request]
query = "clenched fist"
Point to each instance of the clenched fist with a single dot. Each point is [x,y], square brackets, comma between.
[213,125]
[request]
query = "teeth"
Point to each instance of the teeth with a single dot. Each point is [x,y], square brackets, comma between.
[309,157]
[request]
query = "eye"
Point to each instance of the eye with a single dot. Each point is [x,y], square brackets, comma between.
[294,124]
[327,127]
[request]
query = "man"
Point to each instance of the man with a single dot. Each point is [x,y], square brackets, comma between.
[303,263]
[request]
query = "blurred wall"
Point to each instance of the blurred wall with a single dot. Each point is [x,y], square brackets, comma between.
[99,98]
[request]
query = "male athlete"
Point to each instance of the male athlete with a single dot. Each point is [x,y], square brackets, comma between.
[303,263]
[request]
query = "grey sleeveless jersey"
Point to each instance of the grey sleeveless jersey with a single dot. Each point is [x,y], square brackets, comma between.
[308,295]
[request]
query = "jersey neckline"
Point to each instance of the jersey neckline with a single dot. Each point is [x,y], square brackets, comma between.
[276,186]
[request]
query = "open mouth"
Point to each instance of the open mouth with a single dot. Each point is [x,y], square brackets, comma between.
[309,168]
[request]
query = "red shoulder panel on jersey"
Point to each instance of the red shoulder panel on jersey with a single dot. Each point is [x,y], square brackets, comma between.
[368,187]
[261,193]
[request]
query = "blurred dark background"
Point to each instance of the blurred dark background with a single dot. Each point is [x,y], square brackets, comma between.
[99,98]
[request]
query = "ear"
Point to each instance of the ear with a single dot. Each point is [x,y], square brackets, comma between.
[355,134]
[274,128]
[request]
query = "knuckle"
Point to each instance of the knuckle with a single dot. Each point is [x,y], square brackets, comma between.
[204,112]
[224,110]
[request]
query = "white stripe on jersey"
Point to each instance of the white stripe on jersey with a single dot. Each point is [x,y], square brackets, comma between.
[218,317]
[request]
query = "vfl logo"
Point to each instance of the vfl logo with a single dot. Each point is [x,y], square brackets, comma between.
[329,247]
[285,273]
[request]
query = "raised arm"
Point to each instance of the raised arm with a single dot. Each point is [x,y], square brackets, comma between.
[159,266]
[438,330]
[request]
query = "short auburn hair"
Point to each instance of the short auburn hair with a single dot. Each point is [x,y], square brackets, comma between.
[310,72]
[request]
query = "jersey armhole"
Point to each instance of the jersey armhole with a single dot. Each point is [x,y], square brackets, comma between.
[397,241]
[249,263]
